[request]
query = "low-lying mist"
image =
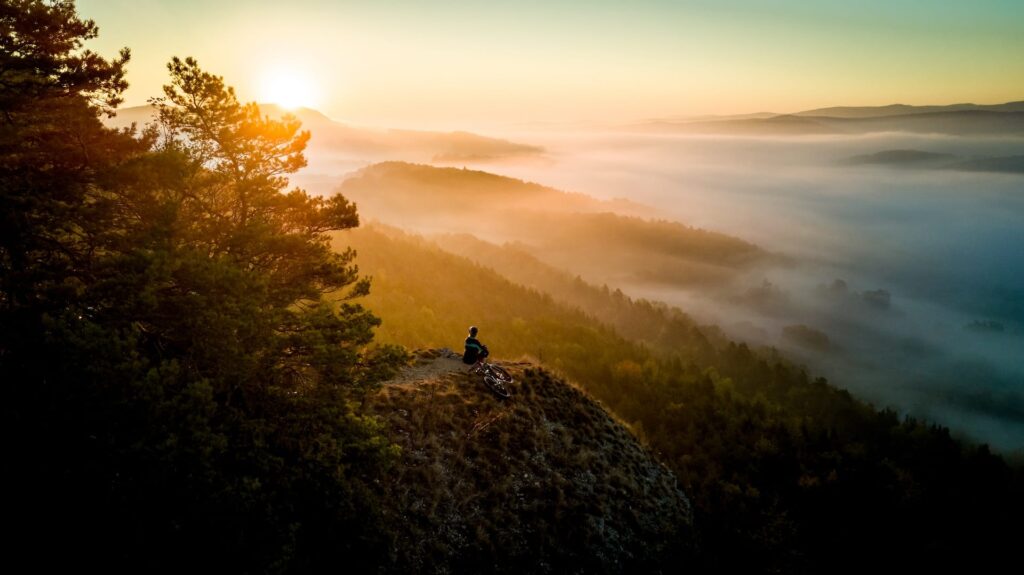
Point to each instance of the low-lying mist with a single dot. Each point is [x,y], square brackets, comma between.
[905,286]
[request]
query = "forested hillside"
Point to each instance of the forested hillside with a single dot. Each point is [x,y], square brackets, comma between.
[785,471]
[404,187]
[605,241]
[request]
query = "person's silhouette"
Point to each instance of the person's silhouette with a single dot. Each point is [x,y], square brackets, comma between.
[475,351]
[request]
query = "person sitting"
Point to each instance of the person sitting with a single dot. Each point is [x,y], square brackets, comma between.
[475,351]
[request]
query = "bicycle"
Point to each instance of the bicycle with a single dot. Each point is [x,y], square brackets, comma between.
[495,378]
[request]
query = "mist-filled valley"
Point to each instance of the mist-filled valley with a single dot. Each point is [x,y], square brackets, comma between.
[901,282]
[915,276]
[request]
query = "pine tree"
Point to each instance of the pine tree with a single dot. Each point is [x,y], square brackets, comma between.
[178,345]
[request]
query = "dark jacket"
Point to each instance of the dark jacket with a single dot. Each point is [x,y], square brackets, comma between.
[474,350]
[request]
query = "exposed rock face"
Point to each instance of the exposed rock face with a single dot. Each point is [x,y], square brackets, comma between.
[544,482]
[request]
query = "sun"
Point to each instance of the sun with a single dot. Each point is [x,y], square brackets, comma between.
[288,88]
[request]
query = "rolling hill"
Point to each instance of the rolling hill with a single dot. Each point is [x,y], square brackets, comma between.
[544,482]
[401,187]
[596,239]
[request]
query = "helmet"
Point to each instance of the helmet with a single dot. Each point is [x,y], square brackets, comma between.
[472,330]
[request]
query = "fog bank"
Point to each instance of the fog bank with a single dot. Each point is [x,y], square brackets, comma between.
[914,277]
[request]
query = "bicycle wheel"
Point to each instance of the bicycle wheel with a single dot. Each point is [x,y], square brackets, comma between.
[500,374]
[497,387]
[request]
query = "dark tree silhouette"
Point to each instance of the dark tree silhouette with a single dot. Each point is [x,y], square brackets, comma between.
[177,387]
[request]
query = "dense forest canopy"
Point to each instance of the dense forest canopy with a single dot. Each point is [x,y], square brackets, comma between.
[176,384]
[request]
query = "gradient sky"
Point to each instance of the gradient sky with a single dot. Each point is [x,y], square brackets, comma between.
[464,64]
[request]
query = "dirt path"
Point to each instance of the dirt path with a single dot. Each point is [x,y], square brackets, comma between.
[430,365]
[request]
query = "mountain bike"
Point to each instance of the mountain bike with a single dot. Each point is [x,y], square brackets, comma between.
[495,377]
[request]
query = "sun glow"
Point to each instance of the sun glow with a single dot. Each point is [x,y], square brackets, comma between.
[288,88]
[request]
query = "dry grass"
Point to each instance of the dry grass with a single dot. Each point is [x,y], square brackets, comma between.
[547,481]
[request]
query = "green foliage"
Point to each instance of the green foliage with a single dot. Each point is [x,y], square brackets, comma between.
[52,149]
[41,57]
[178,389]
[786,472]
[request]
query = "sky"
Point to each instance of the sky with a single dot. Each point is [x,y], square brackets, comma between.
[463,64]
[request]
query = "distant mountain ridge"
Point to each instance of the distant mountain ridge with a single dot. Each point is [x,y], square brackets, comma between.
[955,119]
[932,160]
[333,137]
[904,109]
